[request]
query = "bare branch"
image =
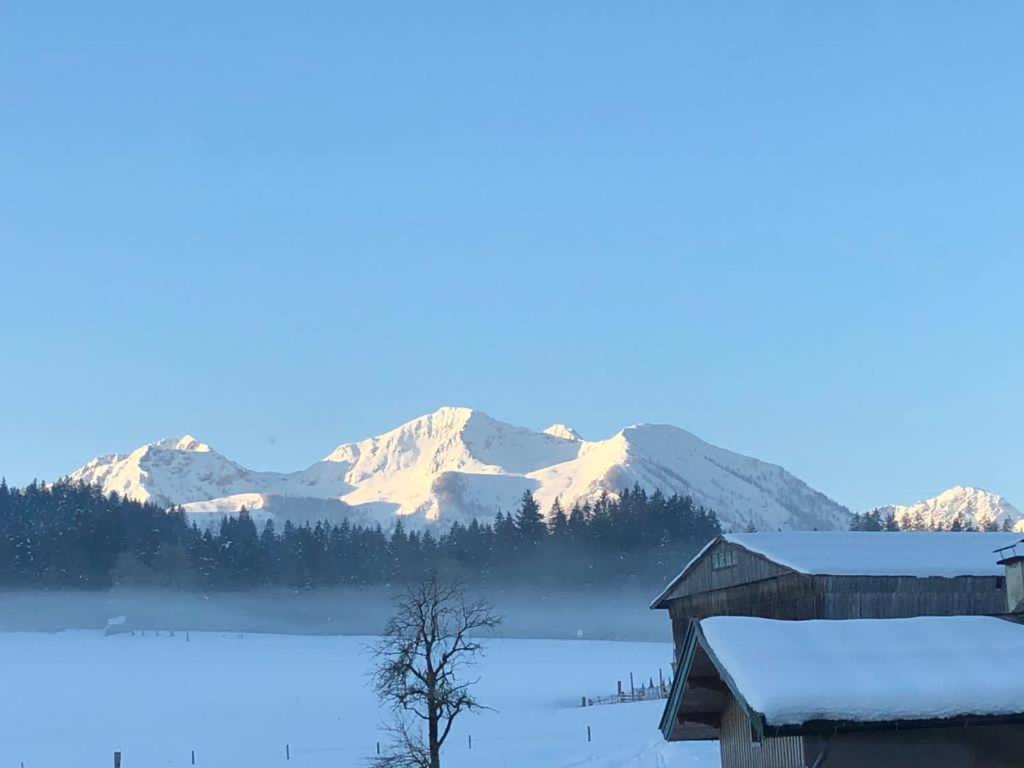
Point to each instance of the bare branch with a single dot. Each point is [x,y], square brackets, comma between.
[426,644]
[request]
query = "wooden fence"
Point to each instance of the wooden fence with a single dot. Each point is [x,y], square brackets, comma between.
[643,692]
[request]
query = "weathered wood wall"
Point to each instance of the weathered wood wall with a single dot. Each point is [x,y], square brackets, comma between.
[704,577]
[798,596]
[787,596]
[755,586]
[882,597]
[738,749]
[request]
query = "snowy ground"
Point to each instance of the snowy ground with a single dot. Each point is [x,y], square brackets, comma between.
[75,697]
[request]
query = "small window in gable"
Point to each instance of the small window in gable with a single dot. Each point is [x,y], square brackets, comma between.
[723,557]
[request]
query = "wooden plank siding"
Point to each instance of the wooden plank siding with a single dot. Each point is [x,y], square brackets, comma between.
[704,577]
[755,586]
[739,750]
[728,580]
[798,596]
[884,597]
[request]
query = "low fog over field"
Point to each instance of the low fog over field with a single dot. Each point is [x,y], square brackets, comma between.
[592,613]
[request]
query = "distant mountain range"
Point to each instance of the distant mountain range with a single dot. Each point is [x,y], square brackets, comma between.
[460,464]
[978,507]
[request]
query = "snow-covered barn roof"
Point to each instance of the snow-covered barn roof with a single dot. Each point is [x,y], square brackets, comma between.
[859,553]
[870,670]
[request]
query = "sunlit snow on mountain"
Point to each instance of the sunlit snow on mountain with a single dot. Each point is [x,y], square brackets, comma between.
[460,464]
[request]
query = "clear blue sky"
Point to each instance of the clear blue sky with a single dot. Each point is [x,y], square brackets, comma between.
[793,228]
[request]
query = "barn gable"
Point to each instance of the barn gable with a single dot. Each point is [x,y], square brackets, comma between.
[720,565]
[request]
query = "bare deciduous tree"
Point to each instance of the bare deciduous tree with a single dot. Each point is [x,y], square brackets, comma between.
[422,658]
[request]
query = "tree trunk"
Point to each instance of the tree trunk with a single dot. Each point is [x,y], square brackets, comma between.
[435,747]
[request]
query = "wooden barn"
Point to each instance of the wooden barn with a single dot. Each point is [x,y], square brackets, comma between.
[942,692]
[839,575]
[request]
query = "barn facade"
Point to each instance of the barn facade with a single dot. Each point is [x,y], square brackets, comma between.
[935,691]
[839,575]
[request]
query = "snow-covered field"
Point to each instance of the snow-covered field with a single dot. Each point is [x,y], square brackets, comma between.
[72,698]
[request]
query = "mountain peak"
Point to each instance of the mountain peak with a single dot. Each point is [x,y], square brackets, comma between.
[183,443]
[563,431]
[963,503]
[454,412]
[964,490]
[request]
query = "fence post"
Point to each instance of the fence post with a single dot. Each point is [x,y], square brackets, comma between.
[287,752]
[588,734]
[469,738]
[193,757]
[117,760]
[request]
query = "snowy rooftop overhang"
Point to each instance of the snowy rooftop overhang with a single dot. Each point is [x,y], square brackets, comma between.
[857,553]
[805,675]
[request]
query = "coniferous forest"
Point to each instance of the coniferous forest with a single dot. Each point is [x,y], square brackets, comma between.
[69,535]
[881,520]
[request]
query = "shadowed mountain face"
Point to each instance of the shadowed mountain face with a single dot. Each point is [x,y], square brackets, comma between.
[460,464]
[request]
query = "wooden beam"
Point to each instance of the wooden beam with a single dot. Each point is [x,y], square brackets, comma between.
[707,682]
[702,718]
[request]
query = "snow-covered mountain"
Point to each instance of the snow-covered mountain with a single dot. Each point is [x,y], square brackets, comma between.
[457,464]
[974,506]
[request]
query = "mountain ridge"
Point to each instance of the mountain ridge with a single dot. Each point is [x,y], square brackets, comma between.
[459,463]
[966,504]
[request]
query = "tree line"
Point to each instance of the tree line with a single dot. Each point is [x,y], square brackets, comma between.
[72,535]
[884,520]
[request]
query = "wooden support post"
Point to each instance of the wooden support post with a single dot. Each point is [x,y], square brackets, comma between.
[632,689]
[287,752]
[588,734]
[469,739]
[583,701]
[378,748]
[117,760]
[193,757]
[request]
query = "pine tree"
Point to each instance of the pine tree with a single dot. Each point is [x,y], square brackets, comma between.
[506,537]
[579,518]
[528,521]
[558,523]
